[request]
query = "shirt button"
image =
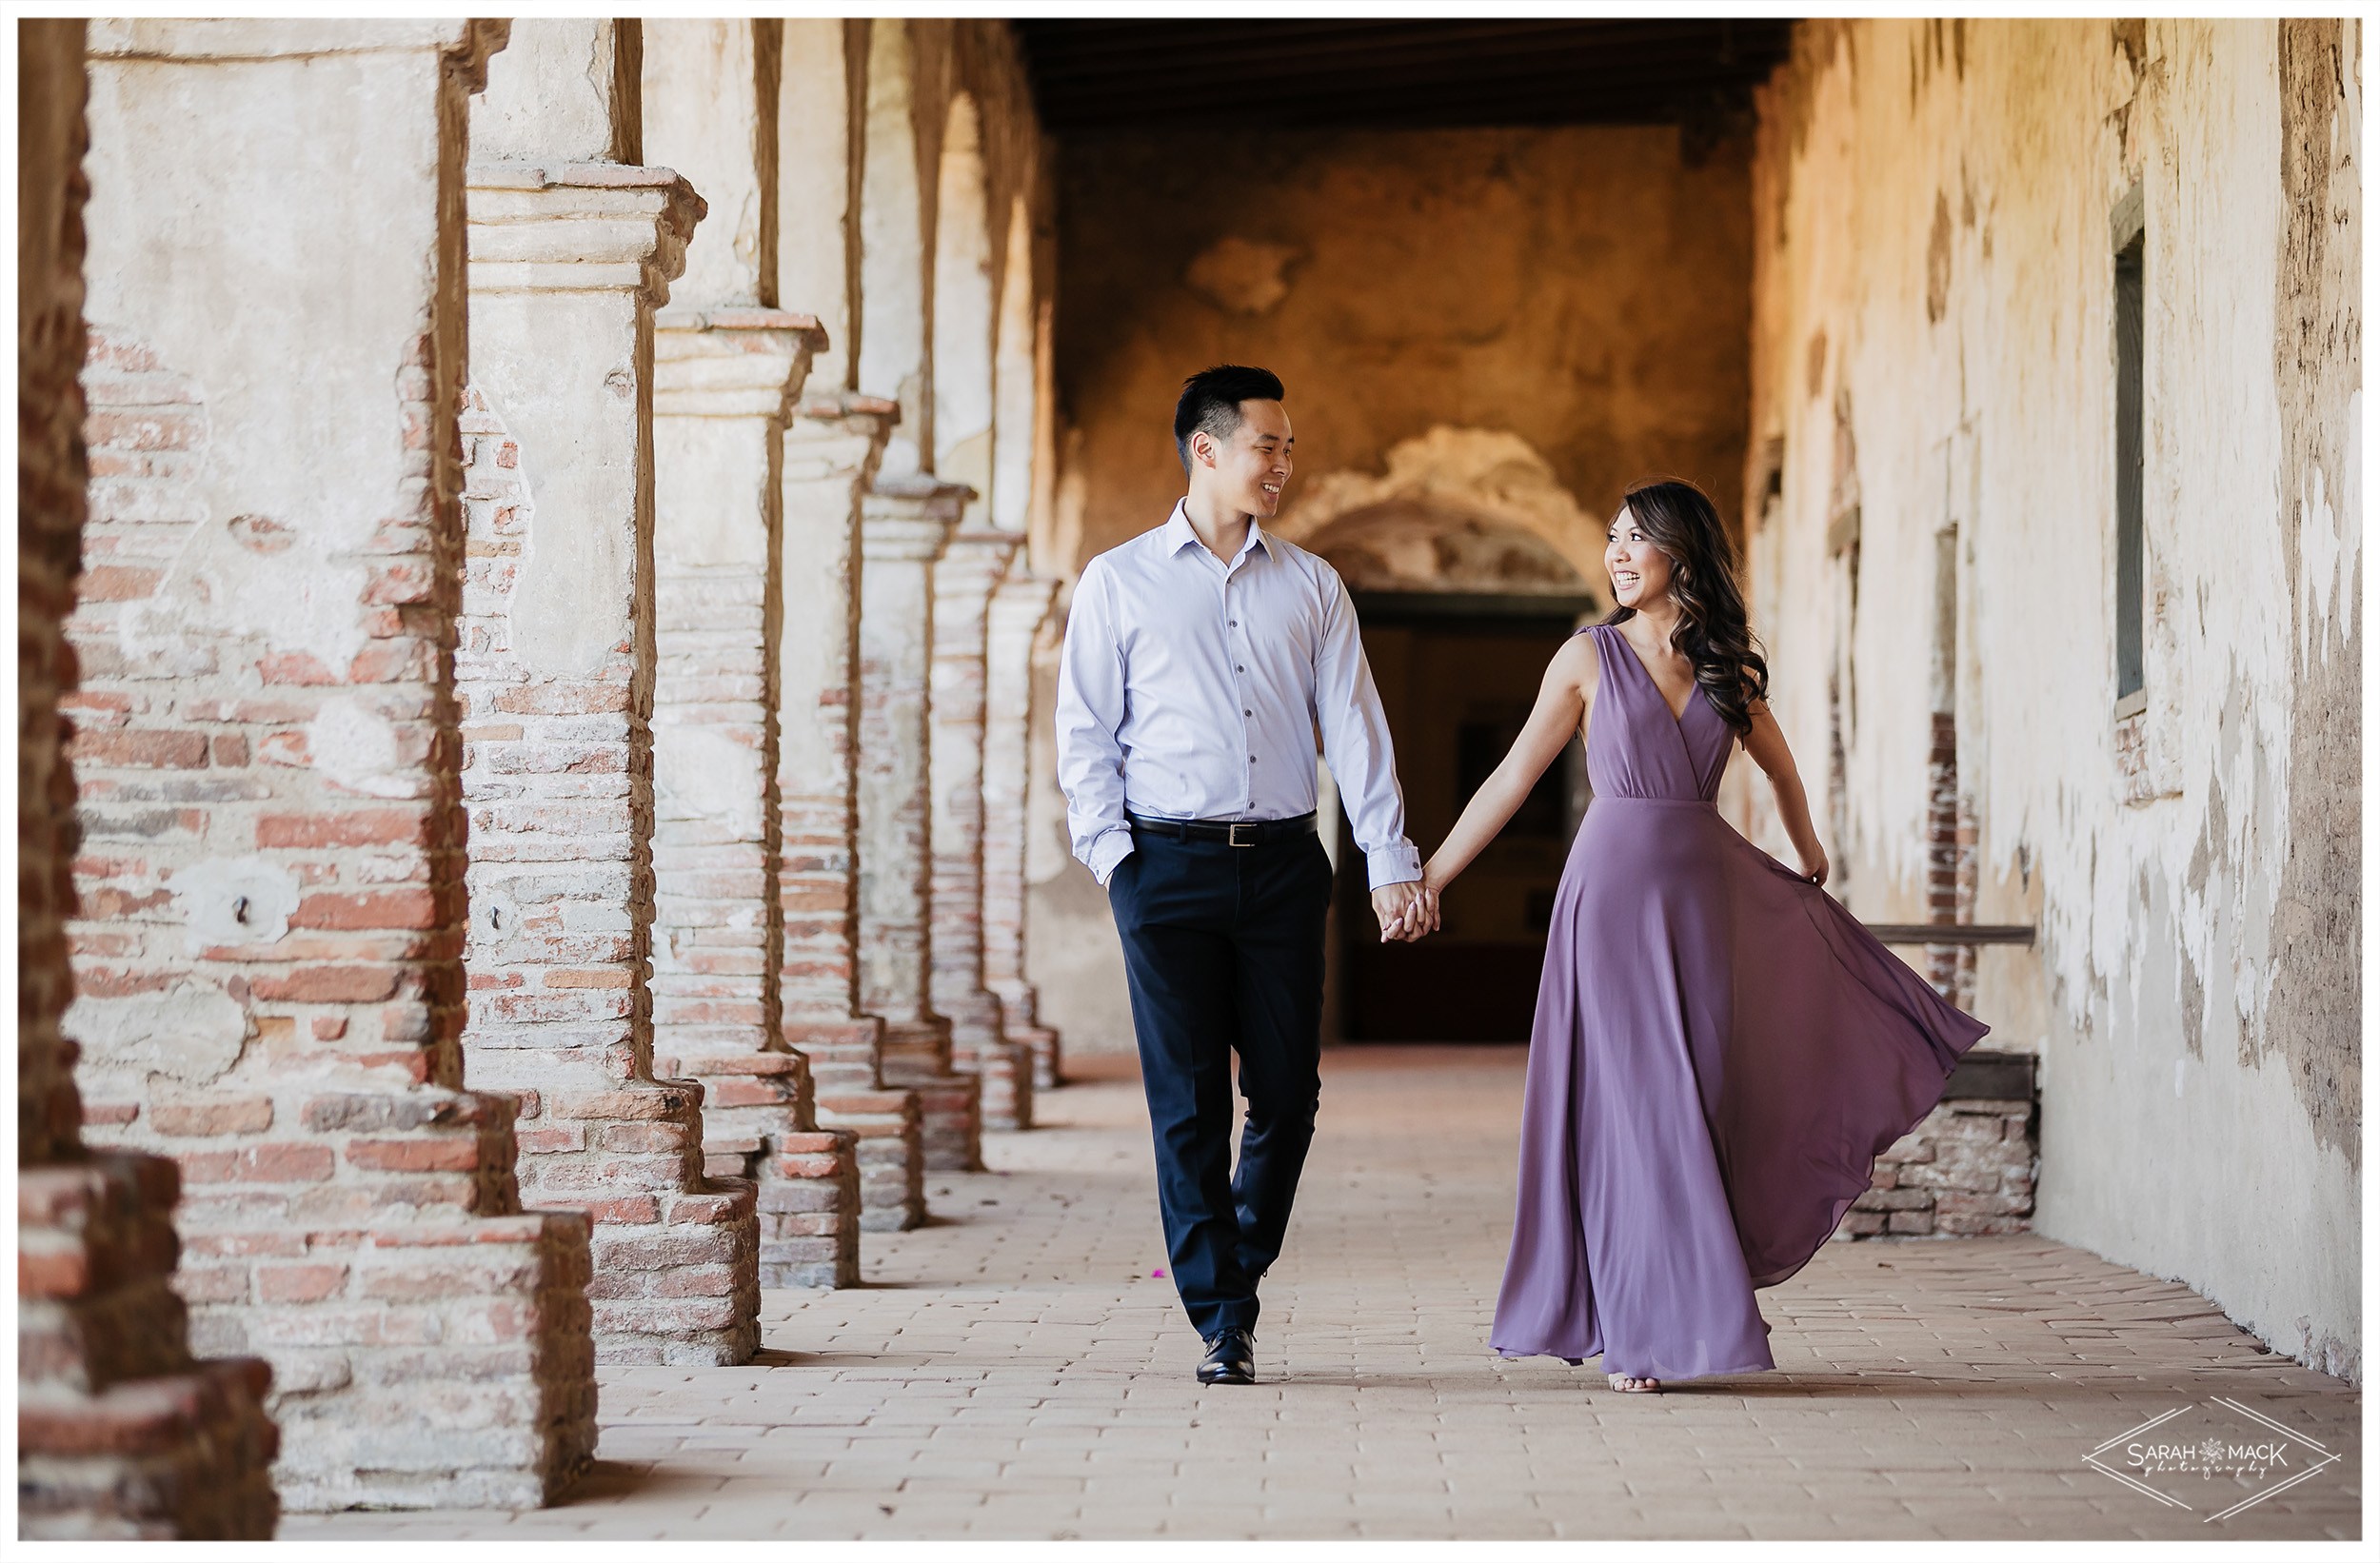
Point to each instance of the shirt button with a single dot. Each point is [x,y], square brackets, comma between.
[1239,667]
[1247,713]
[1235,624]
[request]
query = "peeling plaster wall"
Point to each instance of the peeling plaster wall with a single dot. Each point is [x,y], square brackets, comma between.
[1932,348]
[1507,324]
[1579,288]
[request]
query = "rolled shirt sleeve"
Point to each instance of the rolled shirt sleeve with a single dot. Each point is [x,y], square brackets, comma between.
[1090,712]
[1356,742]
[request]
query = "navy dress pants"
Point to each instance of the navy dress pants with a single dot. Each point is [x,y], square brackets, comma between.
[1223,954]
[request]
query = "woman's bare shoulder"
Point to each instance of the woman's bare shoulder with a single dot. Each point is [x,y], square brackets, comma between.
[1579,663]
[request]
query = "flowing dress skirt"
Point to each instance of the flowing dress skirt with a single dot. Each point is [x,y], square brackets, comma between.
[1720,1051]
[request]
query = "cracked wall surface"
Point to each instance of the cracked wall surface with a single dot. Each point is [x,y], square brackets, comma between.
[1937,209]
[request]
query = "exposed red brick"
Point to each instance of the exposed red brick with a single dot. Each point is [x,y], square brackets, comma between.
[300,1282]
[279,1163]
[599,977]
[146,748]
[228,1116]
[118,582]
[454,1155]
[330,984]
[369,909]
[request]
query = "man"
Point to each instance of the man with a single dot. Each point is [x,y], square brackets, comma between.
[1200,660]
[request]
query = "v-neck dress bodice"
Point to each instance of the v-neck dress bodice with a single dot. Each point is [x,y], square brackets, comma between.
[1720,1052]
[1637,748]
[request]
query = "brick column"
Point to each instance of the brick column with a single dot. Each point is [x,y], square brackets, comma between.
[965,578]
[729,360]
[905,524]
[1021,608]
[555,671]
[719,429]
[120,1433]
[272,909]
[830,454]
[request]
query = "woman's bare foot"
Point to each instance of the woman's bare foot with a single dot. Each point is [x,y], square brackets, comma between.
[1627,1385]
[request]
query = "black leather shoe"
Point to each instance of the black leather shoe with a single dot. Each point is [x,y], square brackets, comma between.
[1230,1358]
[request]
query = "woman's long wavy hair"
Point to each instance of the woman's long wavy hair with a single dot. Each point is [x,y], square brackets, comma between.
[1712,629]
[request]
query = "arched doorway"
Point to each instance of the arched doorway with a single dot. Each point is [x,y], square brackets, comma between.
[1466,578]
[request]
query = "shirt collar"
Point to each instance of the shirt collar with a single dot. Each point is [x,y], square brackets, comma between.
[1178,531]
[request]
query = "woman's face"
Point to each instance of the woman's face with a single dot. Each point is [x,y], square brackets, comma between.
[1639,571]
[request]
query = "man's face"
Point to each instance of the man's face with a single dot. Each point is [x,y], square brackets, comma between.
[1250,469]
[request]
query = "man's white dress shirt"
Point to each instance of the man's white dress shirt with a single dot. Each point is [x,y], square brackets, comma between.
[1192,690]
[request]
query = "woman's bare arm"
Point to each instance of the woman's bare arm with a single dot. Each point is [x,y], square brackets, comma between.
[1765,744]
[1563,698]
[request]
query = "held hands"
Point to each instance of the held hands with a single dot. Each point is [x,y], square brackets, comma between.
[1406,911]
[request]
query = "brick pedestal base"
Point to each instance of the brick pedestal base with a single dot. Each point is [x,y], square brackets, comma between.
[807,1179]
[1967,1168]
[950,1104]
[886,1122]
[120,1434]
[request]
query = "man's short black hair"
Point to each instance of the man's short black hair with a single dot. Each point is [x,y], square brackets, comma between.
[1211,397]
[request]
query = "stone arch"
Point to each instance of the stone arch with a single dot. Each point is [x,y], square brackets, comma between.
[1458,510]
[895,282]
[1404,547]
[1016,400]
[962,308]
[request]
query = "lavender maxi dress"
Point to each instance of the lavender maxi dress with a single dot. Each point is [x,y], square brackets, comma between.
[1720,1051]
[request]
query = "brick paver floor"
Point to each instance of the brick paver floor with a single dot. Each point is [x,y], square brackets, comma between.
[1015,1370]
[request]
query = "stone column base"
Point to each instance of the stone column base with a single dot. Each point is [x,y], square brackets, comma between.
[1042,1043]
[184,1457]
[810,1210]
[1019,1010]
[168,1448]
[393,1309]
[807,1179]
[888,1131]
[486,1324]
[885,1121]
[1007,1069]
[686,1290]
[980,1047]
[676,1259]
[917,1056]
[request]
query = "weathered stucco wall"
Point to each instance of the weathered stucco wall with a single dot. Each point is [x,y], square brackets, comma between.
[1934,349]
[1581,288]
[1505,326]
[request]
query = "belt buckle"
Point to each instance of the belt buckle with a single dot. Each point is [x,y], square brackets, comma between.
[1236,826]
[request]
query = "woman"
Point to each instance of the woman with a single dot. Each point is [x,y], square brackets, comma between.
[1720,1049]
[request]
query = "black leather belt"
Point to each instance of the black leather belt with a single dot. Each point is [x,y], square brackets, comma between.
[1234,832]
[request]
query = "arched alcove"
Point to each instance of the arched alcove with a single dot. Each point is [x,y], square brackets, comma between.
[1422,545]
[1015,395]
[1464,499]
[962,309]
